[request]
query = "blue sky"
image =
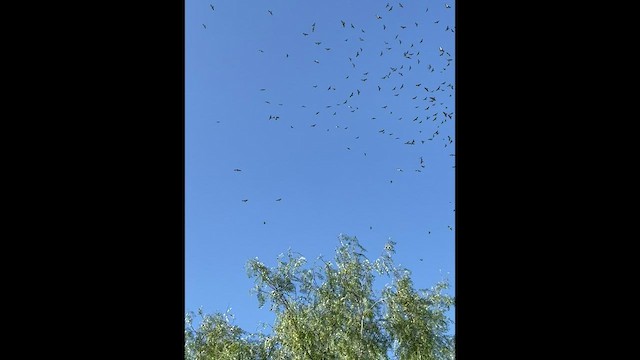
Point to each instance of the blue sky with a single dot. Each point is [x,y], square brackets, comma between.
[351,127]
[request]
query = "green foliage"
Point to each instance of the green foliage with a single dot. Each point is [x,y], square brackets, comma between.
[332,311]
[217,338]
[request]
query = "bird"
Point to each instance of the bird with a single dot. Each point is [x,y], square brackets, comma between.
[211,7]
[343,23]
[279,199]
[205,26]
[237,170]
[270,12]
[245,200]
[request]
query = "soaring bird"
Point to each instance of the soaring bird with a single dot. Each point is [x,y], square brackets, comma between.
[237,170]
[205,26]
[211,7]
[245,200]
[270,12]
[343,23]
[279,199]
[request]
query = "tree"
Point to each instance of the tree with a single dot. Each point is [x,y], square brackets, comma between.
[332,311]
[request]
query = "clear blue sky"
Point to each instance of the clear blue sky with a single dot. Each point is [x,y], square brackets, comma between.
[354,134]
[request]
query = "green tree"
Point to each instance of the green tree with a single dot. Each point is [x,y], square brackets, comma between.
[332,311]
